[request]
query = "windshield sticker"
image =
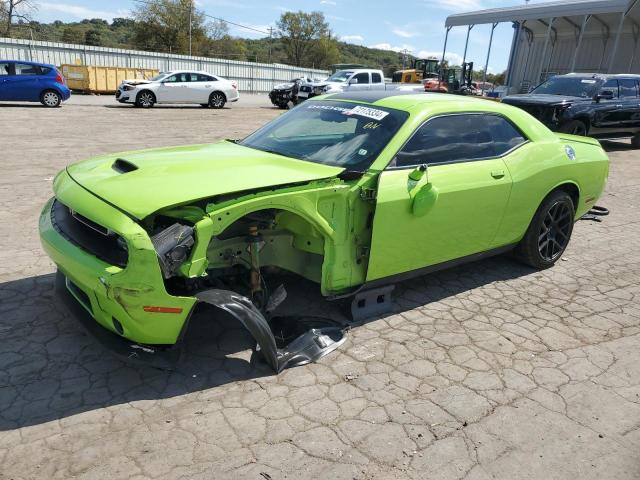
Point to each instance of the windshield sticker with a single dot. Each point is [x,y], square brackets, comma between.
[588,81]
[371,126]
[362,152]
[329,107]
[373,113]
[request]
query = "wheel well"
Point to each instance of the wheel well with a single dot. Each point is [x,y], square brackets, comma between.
[572,190]
[50,89]
[289,241]
[148,91]
[584,120]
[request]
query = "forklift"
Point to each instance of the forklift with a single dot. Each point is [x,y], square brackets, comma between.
[457,80]
[422,69]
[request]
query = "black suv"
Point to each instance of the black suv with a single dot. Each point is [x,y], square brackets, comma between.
[600,106]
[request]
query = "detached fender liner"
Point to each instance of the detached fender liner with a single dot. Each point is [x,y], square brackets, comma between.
[309,338]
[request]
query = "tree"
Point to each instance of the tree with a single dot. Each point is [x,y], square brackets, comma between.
[300,32]
[15,10]
[324,52]
[72,35]
[164,25]
[93,37]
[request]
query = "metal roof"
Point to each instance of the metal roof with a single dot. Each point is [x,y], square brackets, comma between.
[540,11]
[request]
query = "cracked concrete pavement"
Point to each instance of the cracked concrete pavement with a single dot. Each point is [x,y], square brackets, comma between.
[486,371]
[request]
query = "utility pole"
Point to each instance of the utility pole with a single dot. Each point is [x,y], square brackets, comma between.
[270,41]
[190,22]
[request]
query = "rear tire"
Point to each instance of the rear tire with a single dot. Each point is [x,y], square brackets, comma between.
[549,232]
[574,127]
[217,100]
[145,99]
[50,99]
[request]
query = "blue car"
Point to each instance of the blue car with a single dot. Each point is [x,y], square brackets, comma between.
[32,82]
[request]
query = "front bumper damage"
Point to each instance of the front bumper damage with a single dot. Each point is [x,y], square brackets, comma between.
[283,341]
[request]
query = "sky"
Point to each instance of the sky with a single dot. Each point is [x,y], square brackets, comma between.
[414,25]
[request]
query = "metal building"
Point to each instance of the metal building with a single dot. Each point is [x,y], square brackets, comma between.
[599,36]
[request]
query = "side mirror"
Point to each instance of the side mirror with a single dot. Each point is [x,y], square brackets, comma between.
[353,81]
[604,95]
[419,172]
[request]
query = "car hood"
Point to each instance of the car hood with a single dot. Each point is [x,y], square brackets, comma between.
[143,182]
[135,81]
[551,100]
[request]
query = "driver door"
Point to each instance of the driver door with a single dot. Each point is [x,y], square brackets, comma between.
[455,207]
[363,82]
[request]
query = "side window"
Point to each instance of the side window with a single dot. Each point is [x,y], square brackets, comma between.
[628,88]
[171,79]
[179,78]
[376,78]
[362,77]
[454,138]
[25,69]
[199,77]
[611,85]
[4,69]
[505,136]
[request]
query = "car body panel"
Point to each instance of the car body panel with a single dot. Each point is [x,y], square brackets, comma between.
[114,292]
[208,170]
[29,88]
[342,232]
[464,208]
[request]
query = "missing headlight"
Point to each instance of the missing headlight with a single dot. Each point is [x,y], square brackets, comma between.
[173,245]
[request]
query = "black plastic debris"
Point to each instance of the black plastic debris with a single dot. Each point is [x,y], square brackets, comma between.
[285,341]
[595,213]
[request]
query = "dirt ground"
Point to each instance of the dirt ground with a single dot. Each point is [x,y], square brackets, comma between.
[486,371]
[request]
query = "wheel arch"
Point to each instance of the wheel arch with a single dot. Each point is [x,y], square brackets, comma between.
[140,92]
[569,187]
[220,92]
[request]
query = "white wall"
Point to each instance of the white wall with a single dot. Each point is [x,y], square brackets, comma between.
[251,77]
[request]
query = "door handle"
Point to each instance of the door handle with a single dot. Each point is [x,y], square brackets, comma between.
[497,173]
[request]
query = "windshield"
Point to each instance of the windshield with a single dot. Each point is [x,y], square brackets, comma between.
[340,76]
[341,134]
[158,77]
[569,87]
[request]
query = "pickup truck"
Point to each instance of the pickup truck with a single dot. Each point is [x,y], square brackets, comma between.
[352,80]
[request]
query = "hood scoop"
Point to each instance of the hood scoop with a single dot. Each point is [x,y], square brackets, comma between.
[123,166]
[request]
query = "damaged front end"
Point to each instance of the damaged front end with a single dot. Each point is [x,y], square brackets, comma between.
[230,252]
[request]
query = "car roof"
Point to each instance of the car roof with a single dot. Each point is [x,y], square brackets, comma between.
[603,76]
[406,100]
[188,71]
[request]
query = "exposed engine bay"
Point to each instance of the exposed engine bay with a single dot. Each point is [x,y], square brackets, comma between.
[241,262]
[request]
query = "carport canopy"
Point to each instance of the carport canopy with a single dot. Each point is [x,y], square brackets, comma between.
[551,38]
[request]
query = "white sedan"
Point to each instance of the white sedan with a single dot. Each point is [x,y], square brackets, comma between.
[180,86]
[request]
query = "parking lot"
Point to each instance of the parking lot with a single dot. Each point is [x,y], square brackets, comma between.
[486,371]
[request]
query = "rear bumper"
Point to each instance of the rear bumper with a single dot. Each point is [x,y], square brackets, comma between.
[65,92]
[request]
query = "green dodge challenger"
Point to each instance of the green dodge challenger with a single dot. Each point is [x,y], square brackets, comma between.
[352,191]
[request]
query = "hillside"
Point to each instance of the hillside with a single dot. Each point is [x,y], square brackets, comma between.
[121,32]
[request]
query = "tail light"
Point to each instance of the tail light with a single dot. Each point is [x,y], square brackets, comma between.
[60,78]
